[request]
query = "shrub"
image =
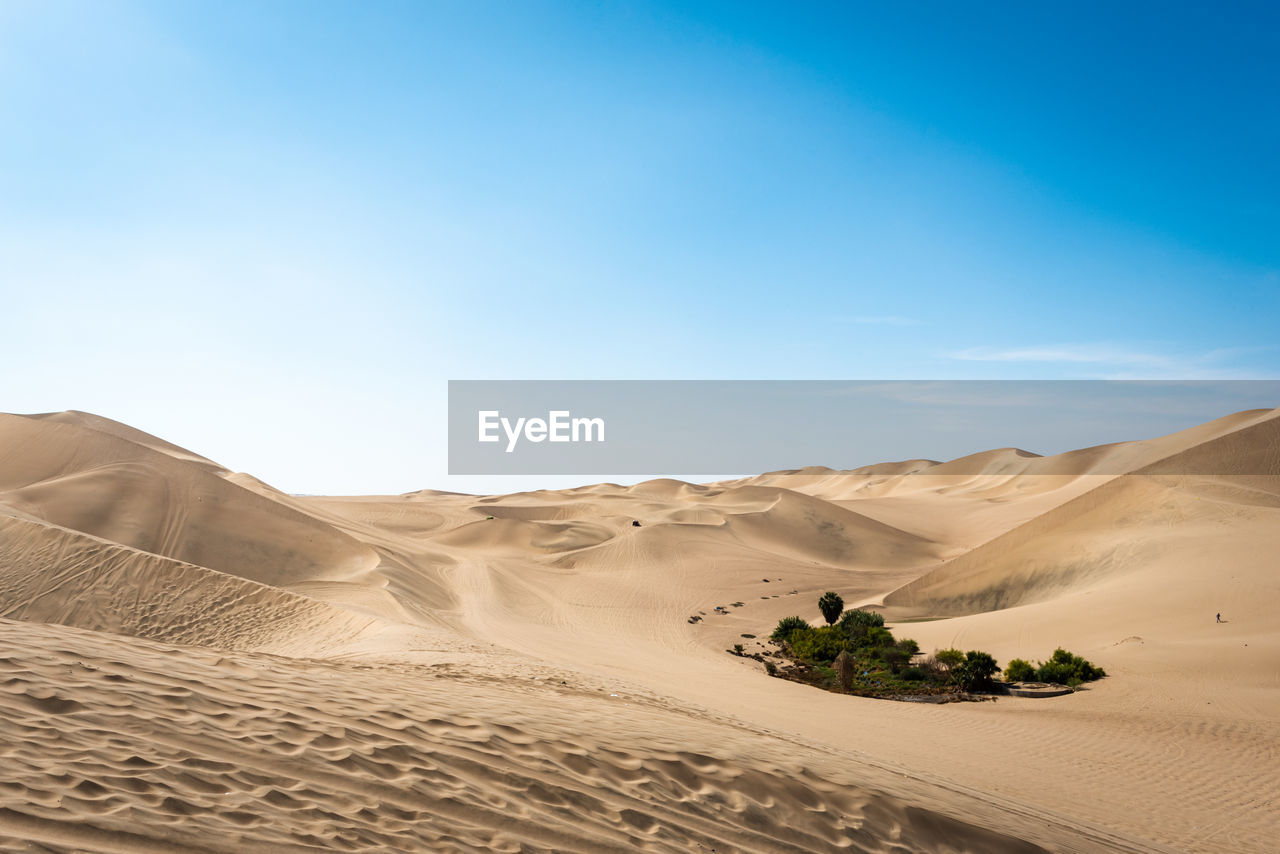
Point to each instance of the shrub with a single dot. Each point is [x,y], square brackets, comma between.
[1055,673]
[858,621]
[909,646]
[933,669]
[1019,671]
[976,671]
[895,658]
[771,668]
[914,674]
[877,637]
[737,647]
[830,605]
[1065,668]
[788,626]
[822,644]
[949,658]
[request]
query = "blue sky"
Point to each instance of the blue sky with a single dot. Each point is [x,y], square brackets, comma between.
[272,232]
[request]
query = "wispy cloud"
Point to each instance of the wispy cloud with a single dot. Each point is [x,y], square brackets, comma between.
[1121,362]
[1074,353]
[886,320]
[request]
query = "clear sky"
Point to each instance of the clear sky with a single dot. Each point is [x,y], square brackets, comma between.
[271,232]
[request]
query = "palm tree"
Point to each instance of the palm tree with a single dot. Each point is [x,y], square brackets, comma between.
[831,605]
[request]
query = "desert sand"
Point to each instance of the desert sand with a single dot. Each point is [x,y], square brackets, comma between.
[192,660]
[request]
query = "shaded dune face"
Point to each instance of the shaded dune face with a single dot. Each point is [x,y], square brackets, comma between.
[193,660]
[519,536]
[181,507]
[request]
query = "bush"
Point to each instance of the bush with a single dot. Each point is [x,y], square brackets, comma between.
[1065,668]
[857,622]
[822,644]
[1019,671]
[909,646]
[830,605]
[933,669]
[787,626]
[895,658]
[914,674]
[877,637]
[949,658]
[1055,673]
[976,671]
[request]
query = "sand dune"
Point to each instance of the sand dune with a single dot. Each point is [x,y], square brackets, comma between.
[72,473]
[53,575]
[210,751]
[1093,536]
[194,660]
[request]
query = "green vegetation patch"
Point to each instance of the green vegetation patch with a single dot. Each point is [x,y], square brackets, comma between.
[1062,668]
[855,654]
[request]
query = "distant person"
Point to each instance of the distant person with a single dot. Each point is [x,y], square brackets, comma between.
[1219,617]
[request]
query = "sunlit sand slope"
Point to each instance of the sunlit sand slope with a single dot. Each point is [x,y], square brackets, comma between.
[121,745]
[1125,525]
